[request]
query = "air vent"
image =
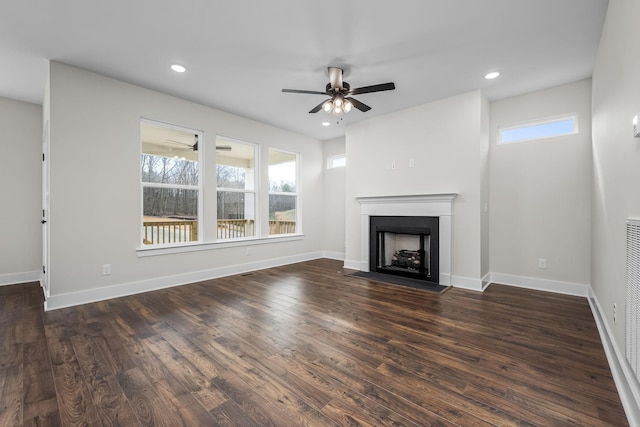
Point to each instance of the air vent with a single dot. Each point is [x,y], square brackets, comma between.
[632,347]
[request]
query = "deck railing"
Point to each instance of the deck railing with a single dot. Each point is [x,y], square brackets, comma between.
[180,231]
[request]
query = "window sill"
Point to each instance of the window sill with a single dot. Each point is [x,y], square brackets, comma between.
[195,247]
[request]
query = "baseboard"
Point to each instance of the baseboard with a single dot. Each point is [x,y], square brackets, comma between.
[626,383]
[15,278]
[567,288]
[124,289]
[467,283]
[339,256]
[356,265]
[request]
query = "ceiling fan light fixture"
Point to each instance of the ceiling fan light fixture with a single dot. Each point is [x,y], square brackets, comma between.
[347,106]
[328,106]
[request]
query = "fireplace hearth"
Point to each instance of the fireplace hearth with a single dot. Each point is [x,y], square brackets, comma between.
[405,246]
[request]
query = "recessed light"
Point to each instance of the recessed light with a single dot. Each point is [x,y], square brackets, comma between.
[326,123]
[492,75]
[178,68]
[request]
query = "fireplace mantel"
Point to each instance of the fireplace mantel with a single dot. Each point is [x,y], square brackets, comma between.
[440,205]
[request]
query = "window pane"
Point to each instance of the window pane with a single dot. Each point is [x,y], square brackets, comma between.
[235,164]
[165,170]
[282,172]
[169,155]
[236,215]
[338,161]
[230,177]
[548,129]
[282,213]
[170,215]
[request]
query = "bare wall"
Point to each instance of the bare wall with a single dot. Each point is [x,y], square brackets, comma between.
[616,158]
[334,199]
[20,184]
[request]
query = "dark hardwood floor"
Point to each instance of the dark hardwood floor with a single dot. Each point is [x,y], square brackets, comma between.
[305,345]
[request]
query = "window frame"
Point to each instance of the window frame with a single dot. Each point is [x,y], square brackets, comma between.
[198,188]
[207,240]
[255,191]
[538,122]
[296,194]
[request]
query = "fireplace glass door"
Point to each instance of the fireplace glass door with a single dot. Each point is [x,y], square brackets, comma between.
[405,246]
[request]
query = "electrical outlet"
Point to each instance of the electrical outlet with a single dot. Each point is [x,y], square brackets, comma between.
[248,252]
[106,269]
[542,263]
[393,165]
[412,163]
[615,313]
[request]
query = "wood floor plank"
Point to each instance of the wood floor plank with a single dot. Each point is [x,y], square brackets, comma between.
[73,393]
[11,383]
[305,344]
[108,398]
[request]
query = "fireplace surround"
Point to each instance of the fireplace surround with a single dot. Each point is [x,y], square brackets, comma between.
[421,205]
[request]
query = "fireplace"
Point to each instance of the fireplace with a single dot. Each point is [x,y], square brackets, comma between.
[438,206]
[405,246]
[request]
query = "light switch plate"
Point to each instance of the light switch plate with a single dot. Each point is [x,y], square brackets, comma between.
[636,126]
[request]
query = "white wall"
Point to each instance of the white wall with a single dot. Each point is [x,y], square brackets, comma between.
[485,191]
[334,198]
[20,195]
[444,138]
[95,185]
[616,158]
[540,189]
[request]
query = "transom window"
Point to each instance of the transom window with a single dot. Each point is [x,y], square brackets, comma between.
[337,161]
[538,129]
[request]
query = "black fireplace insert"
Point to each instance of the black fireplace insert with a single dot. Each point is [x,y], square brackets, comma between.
[405,246]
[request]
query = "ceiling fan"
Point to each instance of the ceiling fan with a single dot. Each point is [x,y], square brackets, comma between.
[194,147]
[339,93]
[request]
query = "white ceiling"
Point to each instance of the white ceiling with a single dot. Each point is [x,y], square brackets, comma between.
[240,54]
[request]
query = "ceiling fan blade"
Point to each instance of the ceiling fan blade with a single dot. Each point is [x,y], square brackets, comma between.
[318,107]
[335,77]
[179,142]
[374,88]
[312,92]
[359,105]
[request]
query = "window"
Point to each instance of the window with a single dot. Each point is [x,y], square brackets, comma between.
[337,161]
[283,192]
[170,173]
[236,189]
[542,128]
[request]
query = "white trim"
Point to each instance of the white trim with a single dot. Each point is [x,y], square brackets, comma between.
[356,265]
[557,286]
[339,256]
[468,283]
[627,385]
[196,246]
[131,288]
[24,277]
